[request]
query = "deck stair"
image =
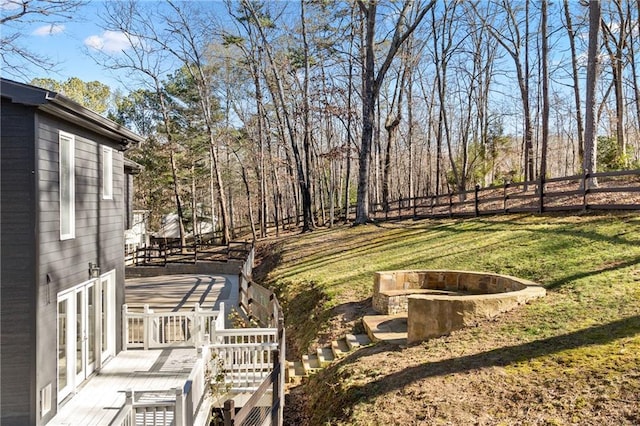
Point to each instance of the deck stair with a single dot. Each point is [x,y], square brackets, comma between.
[312,363]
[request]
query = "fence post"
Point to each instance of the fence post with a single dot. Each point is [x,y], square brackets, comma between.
[505,197]
[541,189]
[450,204]
[125,327]
[476,204]
[585,176]
[229,412]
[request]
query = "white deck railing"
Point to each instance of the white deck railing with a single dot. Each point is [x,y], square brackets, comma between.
[246,356]
[172,407]
[149,329]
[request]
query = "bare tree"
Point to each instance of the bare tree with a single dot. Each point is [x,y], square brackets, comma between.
[571,33]
[16,57]
[148,62]
[512,40]
[372,81]
[593,71]
[545,98]
[615,43]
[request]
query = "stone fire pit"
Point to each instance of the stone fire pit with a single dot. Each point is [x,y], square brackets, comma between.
[440,301]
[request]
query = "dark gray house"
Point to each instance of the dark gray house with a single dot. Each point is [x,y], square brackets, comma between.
[64,196]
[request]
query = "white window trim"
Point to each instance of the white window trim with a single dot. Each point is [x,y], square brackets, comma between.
[107,173]
[72,183]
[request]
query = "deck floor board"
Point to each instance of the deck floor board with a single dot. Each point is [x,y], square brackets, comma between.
[97,402]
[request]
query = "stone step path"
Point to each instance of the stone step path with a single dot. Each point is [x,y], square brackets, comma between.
[312,363]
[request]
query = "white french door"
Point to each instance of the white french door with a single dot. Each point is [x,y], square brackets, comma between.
[86,331]
[66,332]
[107,316]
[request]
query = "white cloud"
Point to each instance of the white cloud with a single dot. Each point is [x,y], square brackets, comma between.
[110,42]
[10,4]
[46,30]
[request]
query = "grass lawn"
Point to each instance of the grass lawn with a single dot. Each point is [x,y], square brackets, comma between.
[570,358]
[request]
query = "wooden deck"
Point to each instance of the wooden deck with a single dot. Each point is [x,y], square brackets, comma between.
[100,397]
[97,402]
[181,292]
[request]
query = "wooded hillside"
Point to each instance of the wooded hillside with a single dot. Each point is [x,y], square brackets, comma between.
[257,111]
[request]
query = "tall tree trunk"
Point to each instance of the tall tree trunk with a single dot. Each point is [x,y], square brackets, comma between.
[593,70]
[391,126]
[371,88]
[369,97]
[576,81]
[617,65]
[176,194]
[528,125]
[166,121]
[347,186]
[308,224]
[545,100]
[280,99]
[634,47]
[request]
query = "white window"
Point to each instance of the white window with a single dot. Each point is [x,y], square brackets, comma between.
[45,400]
[67,186]
[107,173]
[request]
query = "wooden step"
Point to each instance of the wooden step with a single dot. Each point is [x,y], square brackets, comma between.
[339,348]
[354,341]
[325,356]
[295,371]
[291,372]
[311,364]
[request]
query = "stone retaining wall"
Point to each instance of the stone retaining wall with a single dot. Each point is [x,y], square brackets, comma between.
[392,288]
[472,296]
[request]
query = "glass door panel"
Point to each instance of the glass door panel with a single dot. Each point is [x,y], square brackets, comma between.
[65,347]
[91,328]
[80,336]
[104,314]
[107,315]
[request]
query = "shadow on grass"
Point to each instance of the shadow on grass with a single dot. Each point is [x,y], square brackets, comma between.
[500,357]
[620,265]
[270,256]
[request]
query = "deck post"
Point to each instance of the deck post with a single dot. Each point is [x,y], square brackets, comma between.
[198,325]
[229,412]
[129,403]
[179,414]
[146,326]
[125,328]
[275,399]
[223,314]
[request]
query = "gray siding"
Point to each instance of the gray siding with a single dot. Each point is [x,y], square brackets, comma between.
[99,231]
[18,272]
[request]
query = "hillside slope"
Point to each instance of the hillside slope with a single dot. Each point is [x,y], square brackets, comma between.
[570,358]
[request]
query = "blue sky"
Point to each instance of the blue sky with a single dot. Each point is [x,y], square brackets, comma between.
[68,45]
[65,44]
